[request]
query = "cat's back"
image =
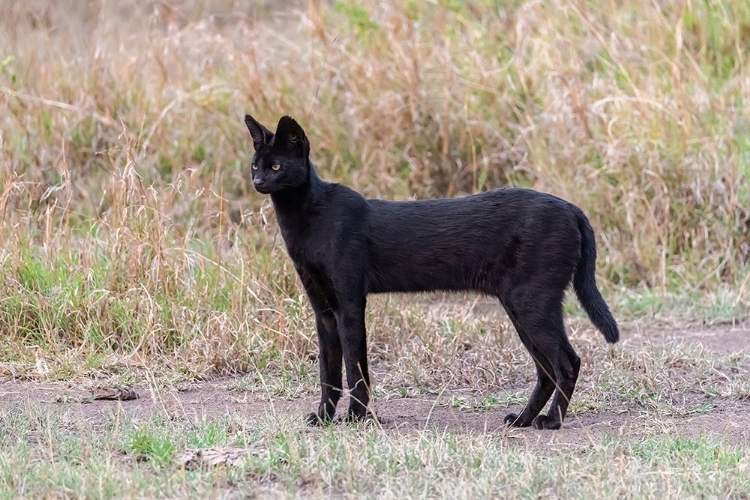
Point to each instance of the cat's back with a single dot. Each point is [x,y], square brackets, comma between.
[498,202]
[481,217]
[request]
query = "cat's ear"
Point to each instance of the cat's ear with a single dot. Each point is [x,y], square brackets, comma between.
[261,135]
[291,139]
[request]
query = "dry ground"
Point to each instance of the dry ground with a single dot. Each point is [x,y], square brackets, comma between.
[726,418]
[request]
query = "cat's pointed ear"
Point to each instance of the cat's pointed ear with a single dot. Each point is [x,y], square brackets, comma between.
[290,138]
[261,135]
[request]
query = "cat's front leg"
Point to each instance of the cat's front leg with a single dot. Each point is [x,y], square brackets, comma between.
[350,318]
[329,359]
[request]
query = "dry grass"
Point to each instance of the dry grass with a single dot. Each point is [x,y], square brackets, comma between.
[131,246]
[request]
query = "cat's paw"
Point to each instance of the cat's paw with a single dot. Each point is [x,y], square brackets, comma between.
[355,417]
[545,422]
[512,420]
[315,420]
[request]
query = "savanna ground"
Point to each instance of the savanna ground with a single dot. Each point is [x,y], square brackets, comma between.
[134,254]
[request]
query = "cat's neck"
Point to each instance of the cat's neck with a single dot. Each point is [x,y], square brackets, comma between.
[296,199]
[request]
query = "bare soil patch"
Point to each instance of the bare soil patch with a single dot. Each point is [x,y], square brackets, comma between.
[727,418]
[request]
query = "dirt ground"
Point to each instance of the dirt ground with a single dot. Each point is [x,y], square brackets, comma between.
[729,419]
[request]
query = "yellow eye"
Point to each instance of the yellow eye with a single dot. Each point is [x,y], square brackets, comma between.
[255,167]
[276,168]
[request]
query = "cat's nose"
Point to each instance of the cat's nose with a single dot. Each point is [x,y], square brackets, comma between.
[258,182]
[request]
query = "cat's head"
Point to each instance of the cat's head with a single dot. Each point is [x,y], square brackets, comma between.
[281,160]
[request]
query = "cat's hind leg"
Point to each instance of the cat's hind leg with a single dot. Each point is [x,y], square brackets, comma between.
[566,366]
[545,383]
[537,315]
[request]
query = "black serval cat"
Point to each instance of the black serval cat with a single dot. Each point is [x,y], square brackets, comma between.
[519,245]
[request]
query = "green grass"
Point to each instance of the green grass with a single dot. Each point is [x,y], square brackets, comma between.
[46,453]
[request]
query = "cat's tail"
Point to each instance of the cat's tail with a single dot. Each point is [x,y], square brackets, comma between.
[584,283]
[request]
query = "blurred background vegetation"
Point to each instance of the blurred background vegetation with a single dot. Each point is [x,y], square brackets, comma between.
[128,229]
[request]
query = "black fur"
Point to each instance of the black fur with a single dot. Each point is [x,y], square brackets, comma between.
[519,245]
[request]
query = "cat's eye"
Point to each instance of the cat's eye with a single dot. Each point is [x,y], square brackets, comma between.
[255,167]
[276,167]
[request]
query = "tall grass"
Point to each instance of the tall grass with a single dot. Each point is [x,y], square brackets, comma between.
[127,223]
